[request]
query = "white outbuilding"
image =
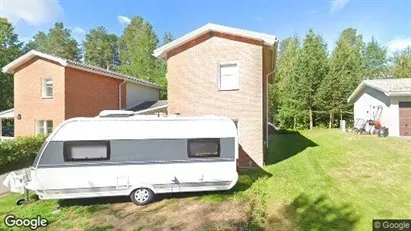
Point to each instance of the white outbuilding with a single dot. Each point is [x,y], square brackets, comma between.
[386,100]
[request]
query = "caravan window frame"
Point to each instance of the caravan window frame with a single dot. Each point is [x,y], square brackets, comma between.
[216,140]
[67,144]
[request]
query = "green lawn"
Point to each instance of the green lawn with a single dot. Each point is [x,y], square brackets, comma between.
[314,180]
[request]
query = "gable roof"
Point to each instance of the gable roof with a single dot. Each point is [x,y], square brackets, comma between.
[265,38]
[10,68]
[390,87]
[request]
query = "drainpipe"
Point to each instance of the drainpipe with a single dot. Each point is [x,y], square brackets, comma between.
[266,113]
[119,94]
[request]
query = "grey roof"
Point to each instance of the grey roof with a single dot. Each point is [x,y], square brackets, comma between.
[390,87]
[148,105]
[10,68]
[113,73]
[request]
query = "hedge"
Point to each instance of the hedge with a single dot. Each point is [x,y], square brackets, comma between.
[20,152]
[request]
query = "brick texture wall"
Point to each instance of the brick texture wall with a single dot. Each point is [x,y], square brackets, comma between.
[87,94]
[192,89]
[28,100]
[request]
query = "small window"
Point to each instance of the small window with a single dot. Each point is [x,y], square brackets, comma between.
[44,126]
[203,148]
[228,76]
[47,88]
[86,150]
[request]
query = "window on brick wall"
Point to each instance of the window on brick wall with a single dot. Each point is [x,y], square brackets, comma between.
[47,88]
[44,126]
[228,76]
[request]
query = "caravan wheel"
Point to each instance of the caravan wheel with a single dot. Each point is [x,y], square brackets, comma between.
[142,196]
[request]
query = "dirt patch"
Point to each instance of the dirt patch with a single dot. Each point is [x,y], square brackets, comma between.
[280,217]
[175,214]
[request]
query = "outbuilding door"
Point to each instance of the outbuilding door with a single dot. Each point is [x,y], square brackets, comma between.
[405,118]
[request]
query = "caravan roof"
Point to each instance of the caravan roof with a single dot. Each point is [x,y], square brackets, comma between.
[144,127]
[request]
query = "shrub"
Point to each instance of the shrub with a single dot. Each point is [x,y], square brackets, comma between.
[18,153]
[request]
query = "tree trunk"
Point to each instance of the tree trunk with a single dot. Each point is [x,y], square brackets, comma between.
[330,125]
[294,122]
[310,112]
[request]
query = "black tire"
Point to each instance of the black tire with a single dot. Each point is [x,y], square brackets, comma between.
[142,196]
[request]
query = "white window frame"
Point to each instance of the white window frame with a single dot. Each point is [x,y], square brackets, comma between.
[220,64]
[44,88]
[42,128]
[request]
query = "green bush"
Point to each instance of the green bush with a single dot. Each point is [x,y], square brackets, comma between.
[18,153]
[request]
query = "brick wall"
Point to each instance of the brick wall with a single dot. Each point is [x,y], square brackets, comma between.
[28,100]
[192,88]
[87,94]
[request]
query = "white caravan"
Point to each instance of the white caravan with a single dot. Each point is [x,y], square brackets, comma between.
[119,153]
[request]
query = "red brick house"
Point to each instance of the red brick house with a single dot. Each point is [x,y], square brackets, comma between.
[49,90]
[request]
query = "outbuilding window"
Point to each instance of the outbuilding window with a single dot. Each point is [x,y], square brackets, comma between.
[86,150]
[47,88]
[228,78]
[203,148]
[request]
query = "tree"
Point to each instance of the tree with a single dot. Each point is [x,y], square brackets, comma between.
[101,49]
[58,41]
[136,46]
[10,49]
[283,107]
[311,68]
[39,42]
[375,60]
[401,67]
[167,37]
[346,70]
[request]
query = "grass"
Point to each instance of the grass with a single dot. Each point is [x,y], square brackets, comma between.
[313,180]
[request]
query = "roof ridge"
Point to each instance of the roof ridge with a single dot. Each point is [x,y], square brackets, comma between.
[80,65]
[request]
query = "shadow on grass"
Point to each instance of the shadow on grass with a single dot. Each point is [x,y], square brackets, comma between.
[284,144]
[246,178]
[93,201]
[304,213]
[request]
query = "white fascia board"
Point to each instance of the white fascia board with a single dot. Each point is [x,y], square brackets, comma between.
[9,68]
[267,39]
[151,109]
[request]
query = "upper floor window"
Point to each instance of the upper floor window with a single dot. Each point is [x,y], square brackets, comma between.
[47,88]
[44,126]
[228,78]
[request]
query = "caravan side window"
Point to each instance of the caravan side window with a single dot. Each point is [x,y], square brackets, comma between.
[86,150]
[203,148]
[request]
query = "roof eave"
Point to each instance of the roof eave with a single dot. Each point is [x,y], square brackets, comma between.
[355,92]
[114,76]
[161,52]
[399,94]
[9,68]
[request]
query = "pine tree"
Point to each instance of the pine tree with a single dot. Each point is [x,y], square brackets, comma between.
[101,49]
[346,70]
[58,41]
[375,60]
[136,47]
[283,107]
[311,69]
